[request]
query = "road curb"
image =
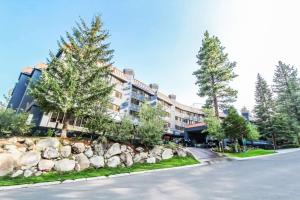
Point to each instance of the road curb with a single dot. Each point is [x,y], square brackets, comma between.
[4,188]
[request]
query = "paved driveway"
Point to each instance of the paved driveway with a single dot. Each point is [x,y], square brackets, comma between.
[203,154]
[275,177]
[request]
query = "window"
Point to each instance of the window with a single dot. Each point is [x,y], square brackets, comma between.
[53,117]
[118,94]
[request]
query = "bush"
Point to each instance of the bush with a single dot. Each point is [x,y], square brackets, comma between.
[122,131]
[13,123]
[151,125]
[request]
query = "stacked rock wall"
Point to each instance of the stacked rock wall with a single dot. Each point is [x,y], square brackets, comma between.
[35,156]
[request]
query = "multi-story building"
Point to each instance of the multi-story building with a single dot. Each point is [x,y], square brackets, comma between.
[127,97]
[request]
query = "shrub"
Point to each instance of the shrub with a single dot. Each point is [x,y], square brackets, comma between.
[151,125]
[287,146]
[13,123]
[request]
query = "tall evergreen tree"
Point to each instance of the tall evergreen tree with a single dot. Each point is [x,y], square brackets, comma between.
[76,83]
[264,109]
[287,89]
[215,74]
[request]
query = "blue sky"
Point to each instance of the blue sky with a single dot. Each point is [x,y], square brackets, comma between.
[158,39]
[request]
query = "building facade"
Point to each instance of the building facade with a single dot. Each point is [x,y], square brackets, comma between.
[127,97]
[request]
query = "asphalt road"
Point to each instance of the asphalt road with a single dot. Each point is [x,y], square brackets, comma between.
[275,177]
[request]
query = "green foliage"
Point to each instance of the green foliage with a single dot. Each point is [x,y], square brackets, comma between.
[151,125]
[264,107]
[13,123]
[213,123]
[77,82]
[234,126]
[287,89]
[252,132]
[215,74]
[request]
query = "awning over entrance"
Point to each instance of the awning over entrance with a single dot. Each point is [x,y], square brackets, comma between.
[194,133]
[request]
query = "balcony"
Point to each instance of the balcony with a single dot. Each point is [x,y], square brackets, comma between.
[137,96]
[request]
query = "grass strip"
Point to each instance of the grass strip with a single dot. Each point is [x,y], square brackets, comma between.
[55,176]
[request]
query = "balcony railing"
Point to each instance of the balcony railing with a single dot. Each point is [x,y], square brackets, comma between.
[137,96]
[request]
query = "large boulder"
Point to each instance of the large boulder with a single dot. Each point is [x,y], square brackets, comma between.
[82,162]
[128,160]
[65,151]
[97,161]
[115,149]
[41,145]
[29,159]
[64,165]
[156,151]
[28,142]
[123,148]
[50,153]
[140,157]
[113,161]
[45,165]
[7,164]
[15,153]
[99,149]
[8,147]
[167,154]
[78,147]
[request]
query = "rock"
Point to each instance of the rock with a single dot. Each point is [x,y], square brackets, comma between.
[22,149]
[28,173]
[17,173]
[66,142]
[123,148]
[41,145]
[128,159]
[181,152]
[82,161]
[45,165]
[15,153]
[151,160]
[28,142]
[7,164]
[29,159]
[99,149]
[140,157]
[115,149]
[9,147]
[129,149]
[64,165]
[65,151]
[114,161]
[21,140]
[50,153]
[140,149]
[97,161]
[156,151]
[88,152]
[167,154]
[38,173]
[78,147]
[13,140]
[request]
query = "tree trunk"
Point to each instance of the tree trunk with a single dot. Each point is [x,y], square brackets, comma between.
[216,106]
[65,126]
[236,146]
[274,141]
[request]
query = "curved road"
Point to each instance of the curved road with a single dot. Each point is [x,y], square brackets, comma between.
[275,177]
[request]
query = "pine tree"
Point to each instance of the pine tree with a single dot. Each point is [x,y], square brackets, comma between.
[76,81]
[264,109]
[287,89]
[215,74]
